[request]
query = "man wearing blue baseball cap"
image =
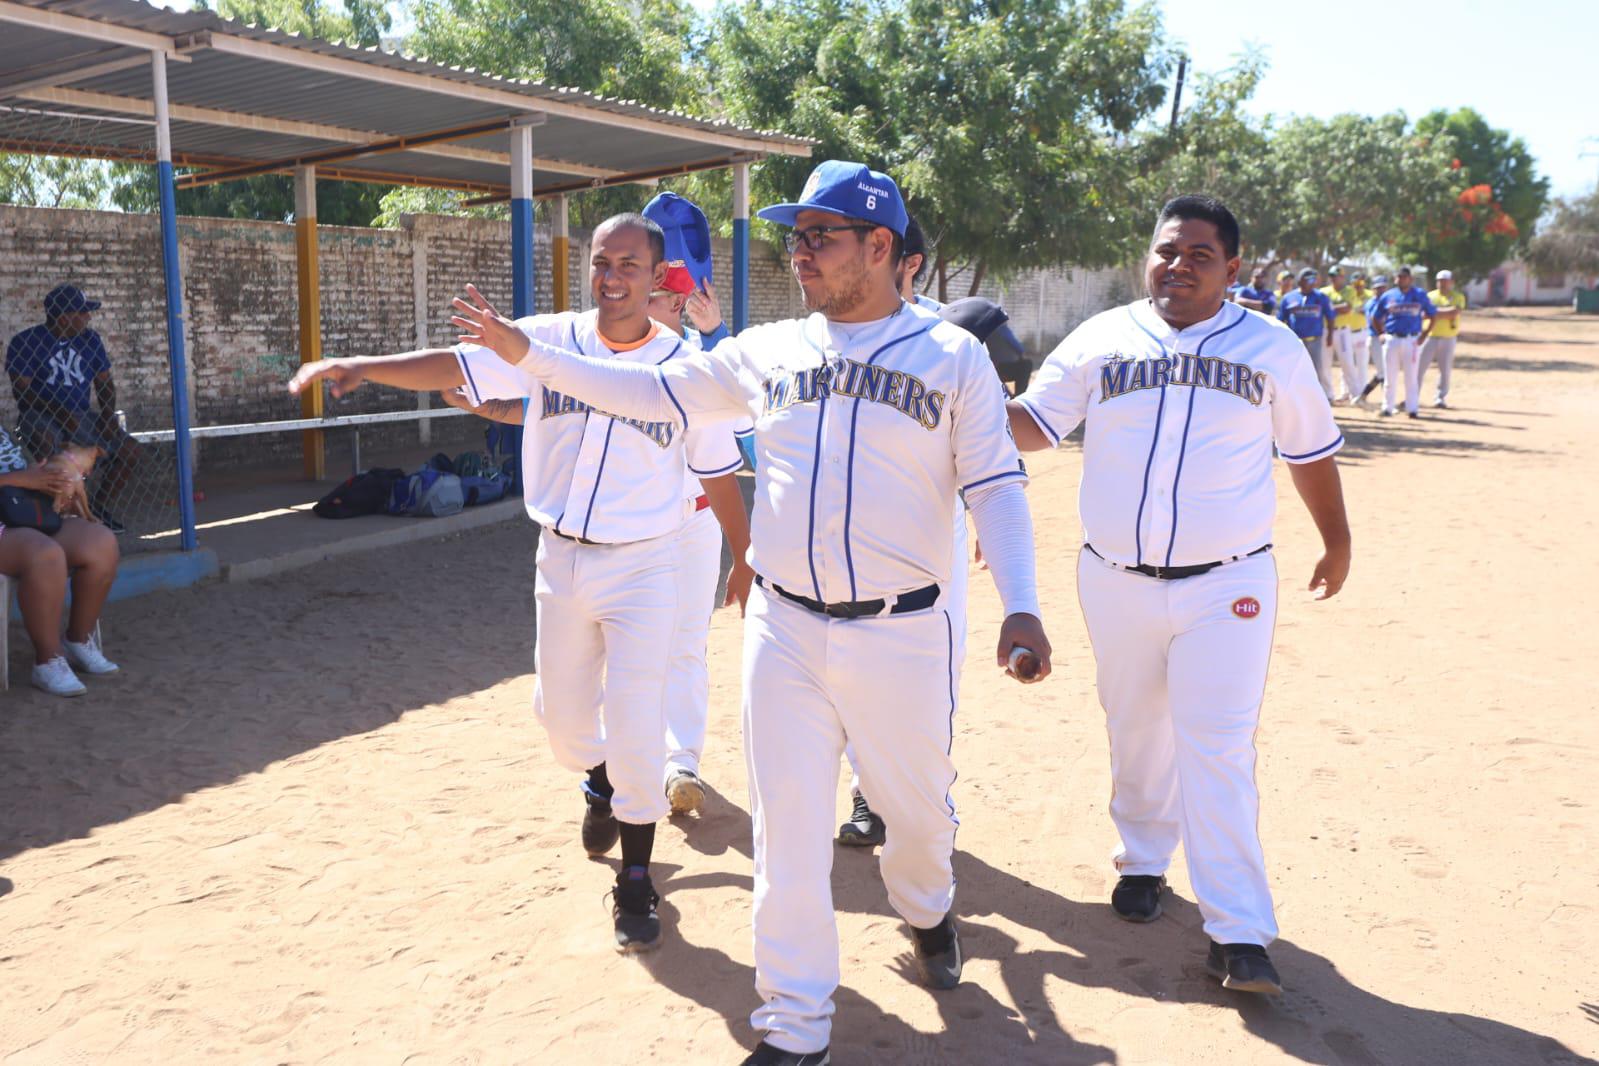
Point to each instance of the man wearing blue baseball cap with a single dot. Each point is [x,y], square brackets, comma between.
[54,367]
[871,416]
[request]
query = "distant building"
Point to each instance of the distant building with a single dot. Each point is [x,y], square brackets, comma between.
[1515,282]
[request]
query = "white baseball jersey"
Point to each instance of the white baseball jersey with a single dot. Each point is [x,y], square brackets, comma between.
[1177,447]
[584,472]
[864,434]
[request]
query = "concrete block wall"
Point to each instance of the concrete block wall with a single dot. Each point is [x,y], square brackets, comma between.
[382,291]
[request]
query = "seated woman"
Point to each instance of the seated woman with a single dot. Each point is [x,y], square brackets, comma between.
[40,566]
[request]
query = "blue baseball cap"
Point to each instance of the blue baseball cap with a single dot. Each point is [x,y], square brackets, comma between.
[65,299]
[853,190]
[688,234]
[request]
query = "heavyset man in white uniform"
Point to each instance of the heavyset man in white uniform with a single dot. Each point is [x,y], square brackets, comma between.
[870,415]
[1183,396]
[609,494]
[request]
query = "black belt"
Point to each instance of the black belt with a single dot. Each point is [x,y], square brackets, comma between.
[575,540]
[1173,573]
[1405,336]
[915,600]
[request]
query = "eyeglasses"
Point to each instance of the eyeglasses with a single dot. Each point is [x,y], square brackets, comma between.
[815,236]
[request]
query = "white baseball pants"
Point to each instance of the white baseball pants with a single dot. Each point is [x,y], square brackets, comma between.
[699,564]
[1399,357]
[1181,672]
[1360,345]
[1441,350]
[811,682]
[1354,370]
[606,617]
[954,601]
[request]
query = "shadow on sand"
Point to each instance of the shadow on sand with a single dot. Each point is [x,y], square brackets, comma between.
[1322,1017]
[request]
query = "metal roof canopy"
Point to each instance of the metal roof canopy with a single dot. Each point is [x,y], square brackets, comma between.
[75,80]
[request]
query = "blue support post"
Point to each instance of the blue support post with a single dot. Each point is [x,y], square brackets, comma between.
[176,362]
[741,247]
[522,273]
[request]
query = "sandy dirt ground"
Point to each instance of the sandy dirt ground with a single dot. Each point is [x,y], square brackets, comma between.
[313,820]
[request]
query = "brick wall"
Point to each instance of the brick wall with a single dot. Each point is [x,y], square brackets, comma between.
[240,306]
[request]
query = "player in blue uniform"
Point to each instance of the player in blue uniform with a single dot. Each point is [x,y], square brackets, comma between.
[1310,315]
[1257,295]
[1402,317]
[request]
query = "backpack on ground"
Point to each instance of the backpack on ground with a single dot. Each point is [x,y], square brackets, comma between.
[365,493]
[428,493]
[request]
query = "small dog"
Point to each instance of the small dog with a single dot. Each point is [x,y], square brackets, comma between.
[77,460]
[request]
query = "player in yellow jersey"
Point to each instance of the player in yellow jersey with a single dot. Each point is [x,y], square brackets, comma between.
[1440,344]
[1348,321]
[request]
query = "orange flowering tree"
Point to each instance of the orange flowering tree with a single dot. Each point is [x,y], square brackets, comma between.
[1496,206]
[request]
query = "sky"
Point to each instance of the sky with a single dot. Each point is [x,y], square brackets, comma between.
[1521,66]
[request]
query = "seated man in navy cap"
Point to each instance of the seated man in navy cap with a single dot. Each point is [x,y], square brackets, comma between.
[53,368]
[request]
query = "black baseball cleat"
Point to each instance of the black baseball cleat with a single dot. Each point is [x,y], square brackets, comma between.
[633,902]
[1243,968]
[1413,414]
[1136,897]
[864,828]
[767,1055]
[938,954]
[600,829]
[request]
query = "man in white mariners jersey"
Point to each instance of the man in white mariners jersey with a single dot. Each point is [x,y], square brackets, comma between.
[1183,396]
[608,492]
[718,507]
[869,416]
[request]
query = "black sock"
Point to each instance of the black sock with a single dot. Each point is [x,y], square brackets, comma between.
[599,784]
[637,843]
[937,939]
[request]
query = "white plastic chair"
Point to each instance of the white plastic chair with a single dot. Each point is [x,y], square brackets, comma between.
[5,632]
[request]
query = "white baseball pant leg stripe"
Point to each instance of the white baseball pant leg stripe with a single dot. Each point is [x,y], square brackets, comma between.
[810,682]
[1184,749]
[1354,372]
[606,615]
[1442,351]
[1399,358]
[699,563]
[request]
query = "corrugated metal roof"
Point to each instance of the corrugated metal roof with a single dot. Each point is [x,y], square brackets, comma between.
[245,95]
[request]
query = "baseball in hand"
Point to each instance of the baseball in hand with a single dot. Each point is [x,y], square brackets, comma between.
[1023,664]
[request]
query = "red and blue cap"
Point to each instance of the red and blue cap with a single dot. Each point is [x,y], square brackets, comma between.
[688,241]
[853,190]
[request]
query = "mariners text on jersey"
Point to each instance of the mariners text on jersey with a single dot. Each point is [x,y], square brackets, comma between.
[1123,374]
[552,403]
[852,378]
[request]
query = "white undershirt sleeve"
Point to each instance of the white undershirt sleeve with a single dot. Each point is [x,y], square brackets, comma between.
[697,384]
[1005,530]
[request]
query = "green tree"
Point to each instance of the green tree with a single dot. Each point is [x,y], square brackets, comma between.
[362,22]
[1568,242]
[1356,183]
[639,50]
[1011,125]
[1218,149]
[264,197]
[53,181]
[1498,197]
